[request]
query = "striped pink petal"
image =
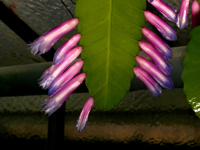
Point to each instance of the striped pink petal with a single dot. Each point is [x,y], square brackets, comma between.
[157,42]
[65,77]
[49,76]
[153,87]
[54,101]
[44,43]
[65,48]
[166,31]
[83,118]
[182,18]
[164,80]
[167,11]
[156,56]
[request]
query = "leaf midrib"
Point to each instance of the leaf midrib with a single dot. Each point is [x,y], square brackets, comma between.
[109,29]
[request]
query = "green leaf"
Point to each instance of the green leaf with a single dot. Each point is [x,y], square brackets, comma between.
[191,71]
[110,32]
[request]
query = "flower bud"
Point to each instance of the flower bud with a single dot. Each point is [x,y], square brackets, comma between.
[157,42]
[153,87]
[44,43]
[166,31]
[167,11]
[164,80]
[83,118]
[182,18]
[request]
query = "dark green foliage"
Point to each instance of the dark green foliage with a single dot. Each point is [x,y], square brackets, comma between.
[191,72]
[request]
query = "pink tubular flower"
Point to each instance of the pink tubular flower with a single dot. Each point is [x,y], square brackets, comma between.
[182,18]
[153,87]
[54,101]
[47,40]
[195,7]
[156,56]
[157,42]
[65,77]
[55,70]
[167,32]
[82,120]
[164,80]
[167,11]
[64,49]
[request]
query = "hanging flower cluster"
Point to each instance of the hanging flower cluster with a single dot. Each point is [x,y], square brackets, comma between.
[158,50]
[61,83]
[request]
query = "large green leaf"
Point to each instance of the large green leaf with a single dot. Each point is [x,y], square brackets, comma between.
[191,72]
[110,32]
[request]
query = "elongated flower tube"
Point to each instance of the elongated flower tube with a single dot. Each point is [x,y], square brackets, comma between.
[153,87]
[157,42]
[66,76]
[164,80]
[166,31]
[83,118]
[182,17]
[195,7]
[65,48]
[55,70]
[167,11]
[44,43]
[156,56]
[54,101]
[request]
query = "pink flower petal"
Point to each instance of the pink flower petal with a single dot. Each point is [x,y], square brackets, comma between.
[83,118]
[166,31]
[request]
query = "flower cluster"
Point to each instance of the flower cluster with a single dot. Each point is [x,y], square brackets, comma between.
[157,49]
[179,17]
[62,83]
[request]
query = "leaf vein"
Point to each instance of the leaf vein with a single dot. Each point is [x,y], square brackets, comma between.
[122,49]
[94,27]
[127,20]
[96,41]
[132,5]
[95,54]
[126,35]
[120,60]
[96,67]
[109,38]
[100,88]
[93,12]
[118,84]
